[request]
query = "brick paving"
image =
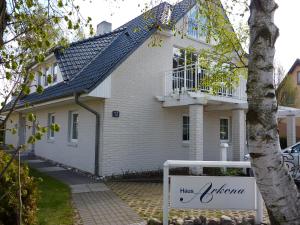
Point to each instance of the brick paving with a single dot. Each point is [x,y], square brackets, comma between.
[104,208]
[121,203]
[95,203]
[147,198]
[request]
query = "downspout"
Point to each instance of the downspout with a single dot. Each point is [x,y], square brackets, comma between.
[97,131]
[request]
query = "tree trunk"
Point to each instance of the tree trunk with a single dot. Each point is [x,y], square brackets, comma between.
[2,20]
[276,186]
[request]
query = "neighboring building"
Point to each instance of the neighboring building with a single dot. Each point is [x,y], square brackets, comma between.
[2,131]
[288,94]
[147,98]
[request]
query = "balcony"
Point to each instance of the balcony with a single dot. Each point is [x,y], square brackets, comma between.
[191,80]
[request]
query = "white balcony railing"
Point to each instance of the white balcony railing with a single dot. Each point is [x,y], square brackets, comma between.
[194,79]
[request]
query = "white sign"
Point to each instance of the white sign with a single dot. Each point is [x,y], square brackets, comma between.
[198,192]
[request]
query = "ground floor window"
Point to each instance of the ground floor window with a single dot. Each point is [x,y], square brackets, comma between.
[51,121]
[185,128]
[74,126]
[224,129]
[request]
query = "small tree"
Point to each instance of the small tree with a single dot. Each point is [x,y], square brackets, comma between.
[29,29]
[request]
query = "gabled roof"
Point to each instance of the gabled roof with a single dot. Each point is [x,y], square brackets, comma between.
[72,59]
[296,63]
[85,64]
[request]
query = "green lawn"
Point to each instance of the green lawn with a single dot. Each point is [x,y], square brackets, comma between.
[54,205]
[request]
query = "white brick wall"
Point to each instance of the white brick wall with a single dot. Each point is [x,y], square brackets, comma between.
[12,123]
[81,155]
[145,134]
[238,134]
[196,132]
[211,132]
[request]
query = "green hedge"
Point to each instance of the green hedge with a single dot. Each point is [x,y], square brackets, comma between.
[9,204]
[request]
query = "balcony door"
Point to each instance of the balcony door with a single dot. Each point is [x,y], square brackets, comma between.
[186,73]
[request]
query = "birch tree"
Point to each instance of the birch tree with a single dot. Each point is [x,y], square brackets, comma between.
[275,184]
[29,29]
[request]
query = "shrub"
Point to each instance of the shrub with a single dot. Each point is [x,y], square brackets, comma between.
[216,171]
[9,192]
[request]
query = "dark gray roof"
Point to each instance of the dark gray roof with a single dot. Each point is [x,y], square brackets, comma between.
[296,63]
[85,64]
[72,59]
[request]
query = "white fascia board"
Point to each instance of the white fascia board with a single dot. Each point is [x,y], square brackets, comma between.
[103,90]
[46,59]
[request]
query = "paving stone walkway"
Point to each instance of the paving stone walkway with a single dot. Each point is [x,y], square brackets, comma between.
[95,202]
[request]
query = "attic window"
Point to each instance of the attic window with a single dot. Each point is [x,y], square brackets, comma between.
[298,77]
[196,24]
[47,73]
[54,73]
[168,15]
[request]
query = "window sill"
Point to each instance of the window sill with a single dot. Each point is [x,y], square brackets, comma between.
[185,143]
[197,40]
[73,144]
[50,140]
[224,141]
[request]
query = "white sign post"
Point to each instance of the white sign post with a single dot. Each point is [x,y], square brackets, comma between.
[209,192]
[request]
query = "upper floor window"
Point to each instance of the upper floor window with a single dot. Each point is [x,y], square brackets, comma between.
[39,80]
[196,24]
[54,73]
[47,73]
[298,77]
[185,69]
[183,57]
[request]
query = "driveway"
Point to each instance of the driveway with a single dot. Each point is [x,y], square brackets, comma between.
[147,199]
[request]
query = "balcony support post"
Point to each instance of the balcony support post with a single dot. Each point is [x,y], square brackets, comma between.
[196,134]
[238,134]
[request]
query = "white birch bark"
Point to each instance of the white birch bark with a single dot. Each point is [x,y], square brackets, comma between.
[277,187]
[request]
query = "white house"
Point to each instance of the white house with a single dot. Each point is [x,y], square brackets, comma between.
[125,106]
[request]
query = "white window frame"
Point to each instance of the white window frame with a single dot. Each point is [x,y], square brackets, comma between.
[228,119]
[38,78]
[55,65]
[72,126]
[46,84]
[182,128]
[51,133]
[298,77]
[195,33]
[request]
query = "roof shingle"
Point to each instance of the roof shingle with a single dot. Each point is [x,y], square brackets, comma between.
[85,64]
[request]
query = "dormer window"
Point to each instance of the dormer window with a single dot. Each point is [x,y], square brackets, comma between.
[39,80]
[54,73]
[48,72]
[196,24]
